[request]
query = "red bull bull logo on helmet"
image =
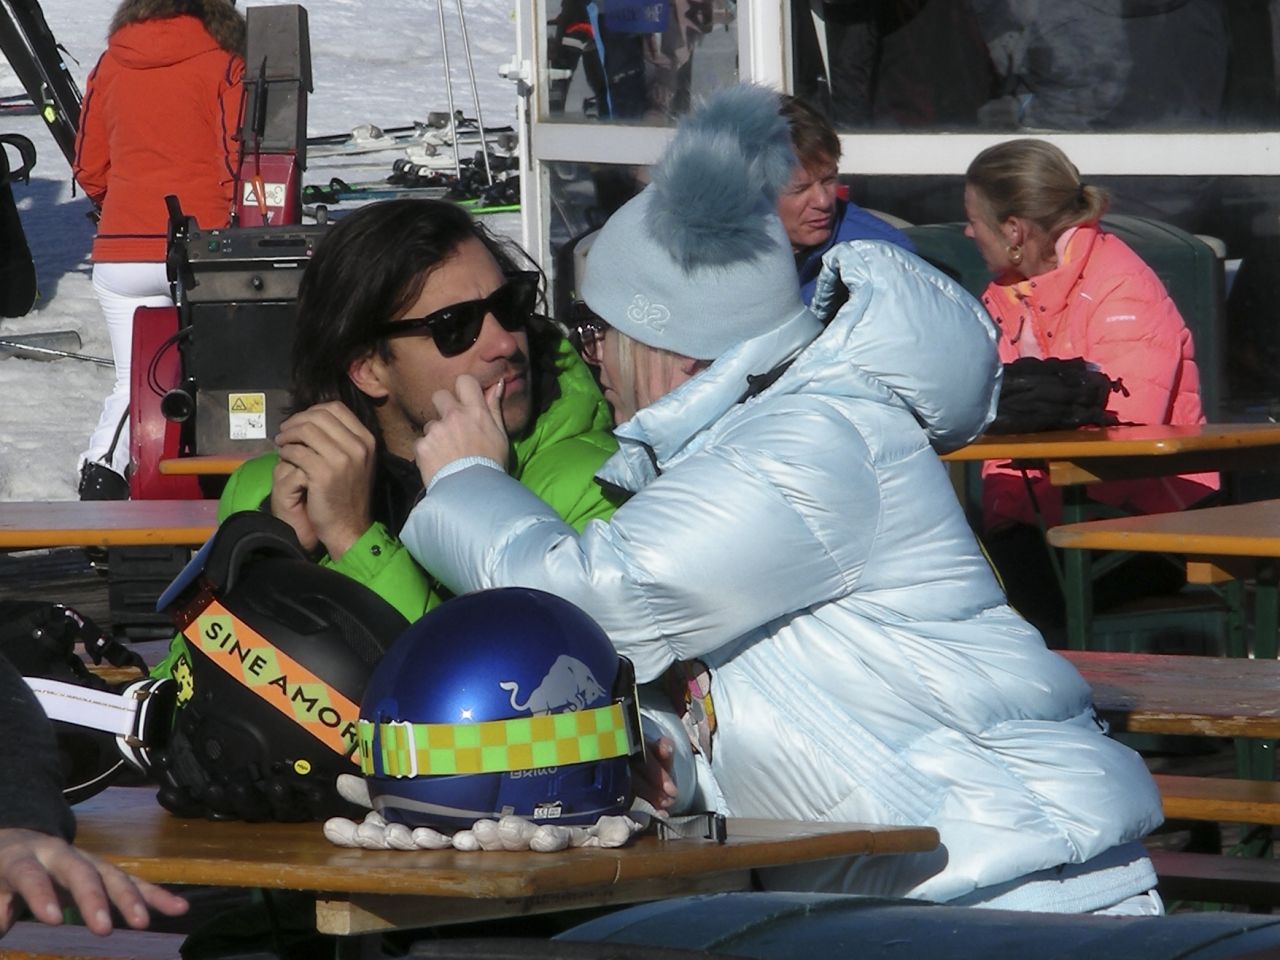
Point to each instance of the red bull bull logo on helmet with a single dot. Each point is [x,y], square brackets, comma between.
[568,685]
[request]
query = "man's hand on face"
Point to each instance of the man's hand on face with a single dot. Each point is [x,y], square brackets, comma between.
[470,425]
[33,865]
[289,502]
[324,480]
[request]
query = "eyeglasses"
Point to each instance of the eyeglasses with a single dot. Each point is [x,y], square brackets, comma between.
[456,328]
[586,332]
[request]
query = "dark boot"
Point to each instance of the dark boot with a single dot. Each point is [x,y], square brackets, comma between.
[100,482]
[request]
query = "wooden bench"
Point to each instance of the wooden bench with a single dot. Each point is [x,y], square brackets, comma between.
[1212,878]
[1214,799]
[29,940]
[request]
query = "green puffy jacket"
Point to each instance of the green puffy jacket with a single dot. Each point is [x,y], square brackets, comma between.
[557,460]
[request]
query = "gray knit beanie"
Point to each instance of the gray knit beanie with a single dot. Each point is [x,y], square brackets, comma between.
[699,262]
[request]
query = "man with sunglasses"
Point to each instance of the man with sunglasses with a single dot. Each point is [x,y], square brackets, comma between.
[400,299]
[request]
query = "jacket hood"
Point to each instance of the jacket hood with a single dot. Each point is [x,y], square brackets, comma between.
[909,333]
[162,39]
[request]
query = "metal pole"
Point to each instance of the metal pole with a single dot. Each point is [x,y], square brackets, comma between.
[475,95]
[29,351]
[448,86]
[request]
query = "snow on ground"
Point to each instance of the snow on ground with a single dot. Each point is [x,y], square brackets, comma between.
[373,61]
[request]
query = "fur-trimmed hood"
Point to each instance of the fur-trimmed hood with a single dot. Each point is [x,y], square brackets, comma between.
[222,20]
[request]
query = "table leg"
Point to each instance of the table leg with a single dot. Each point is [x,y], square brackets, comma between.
[1233,592]
[1262,761]
[1266,607]
[1077,573]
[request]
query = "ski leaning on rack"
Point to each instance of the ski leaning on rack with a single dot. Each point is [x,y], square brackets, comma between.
[39,61]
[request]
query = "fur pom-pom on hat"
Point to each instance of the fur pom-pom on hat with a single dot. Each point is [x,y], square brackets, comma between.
[699,262]
[721,176]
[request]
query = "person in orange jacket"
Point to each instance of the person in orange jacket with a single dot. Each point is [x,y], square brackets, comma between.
[161,115]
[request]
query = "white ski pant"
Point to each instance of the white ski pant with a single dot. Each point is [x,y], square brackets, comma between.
[121,289]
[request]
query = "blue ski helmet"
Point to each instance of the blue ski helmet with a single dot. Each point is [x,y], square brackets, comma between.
[507,701]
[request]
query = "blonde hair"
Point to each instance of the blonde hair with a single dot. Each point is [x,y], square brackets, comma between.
[645,373]
[1034,180]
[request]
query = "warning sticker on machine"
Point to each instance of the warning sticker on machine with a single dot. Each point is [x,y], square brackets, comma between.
[247,416]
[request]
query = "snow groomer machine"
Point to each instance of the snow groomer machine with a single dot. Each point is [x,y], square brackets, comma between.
[211,374]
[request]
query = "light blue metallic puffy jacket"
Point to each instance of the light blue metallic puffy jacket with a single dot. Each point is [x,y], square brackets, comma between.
[807,545]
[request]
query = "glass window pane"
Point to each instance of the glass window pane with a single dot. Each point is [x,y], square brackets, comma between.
[635,61]
[1106,65]
[1241,212]
[582,195]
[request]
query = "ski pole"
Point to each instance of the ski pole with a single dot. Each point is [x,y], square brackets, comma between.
[29,351]
[475,94]
[448,87]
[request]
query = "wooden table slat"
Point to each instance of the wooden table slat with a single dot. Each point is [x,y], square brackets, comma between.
[1198,696]
[205,465]
[1239,530]
[1113,442]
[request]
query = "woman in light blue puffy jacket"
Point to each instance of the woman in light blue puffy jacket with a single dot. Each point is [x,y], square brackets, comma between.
[793,536]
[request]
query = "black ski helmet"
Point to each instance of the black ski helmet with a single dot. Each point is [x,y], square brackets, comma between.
[278,653]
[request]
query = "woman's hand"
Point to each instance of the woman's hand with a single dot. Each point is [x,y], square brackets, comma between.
[469,425]
[652,779]
[32,863]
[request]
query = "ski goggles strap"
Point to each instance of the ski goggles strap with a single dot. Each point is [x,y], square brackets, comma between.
[403,749]
[139,717]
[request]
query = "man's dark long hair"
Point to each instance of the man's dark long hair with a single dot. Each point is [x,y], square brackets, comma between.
[372,266]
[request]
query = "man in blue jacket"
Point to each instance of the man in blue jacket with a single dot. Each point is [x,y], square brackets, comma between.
[815,217]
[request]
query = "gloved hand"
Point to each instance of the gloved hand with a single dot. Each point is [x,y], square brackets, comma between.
[509,833]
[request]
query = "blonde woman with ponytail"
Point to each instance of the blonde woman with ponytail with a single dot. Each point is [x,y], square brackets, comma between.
[1065,287]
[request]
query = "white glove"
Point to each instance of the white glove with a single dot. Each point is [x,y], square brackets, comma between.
[509,833]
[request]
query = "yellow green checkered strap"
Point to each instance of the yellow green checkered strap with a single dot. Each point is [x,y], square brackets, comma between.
[403,749]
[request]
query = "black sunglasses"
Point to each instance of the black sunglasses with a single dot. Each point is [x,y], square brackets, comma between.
[456,328]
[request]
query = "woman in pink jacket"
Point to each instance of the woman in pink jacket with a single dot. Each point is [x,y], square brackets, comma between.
[1065,288]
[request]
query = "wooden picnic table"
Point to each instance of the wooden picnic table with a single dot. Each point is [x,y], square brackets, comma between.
[26,525]
[1220,544]
[363,891]
[1074,459]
